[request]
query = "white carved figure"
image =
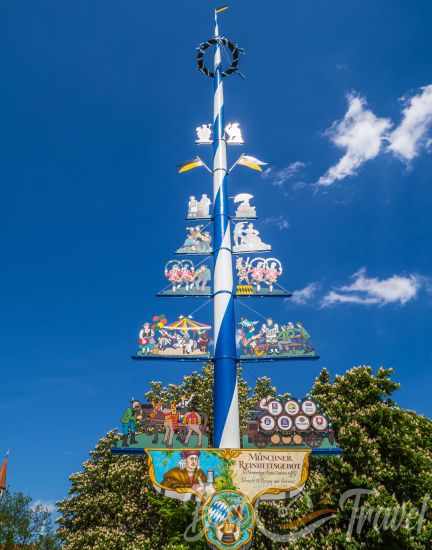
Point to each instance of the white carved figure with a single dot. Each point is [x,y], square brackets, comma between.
[204,207]
[244,209]
[202,277]
[197,241]
[199,208]
[238,233]
[242,267]
[204,134]
[247,239]
[234,134]
[192,207]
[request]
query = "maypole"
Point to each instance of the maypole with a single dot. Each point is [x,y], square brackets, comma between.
[227,474]
[226,410]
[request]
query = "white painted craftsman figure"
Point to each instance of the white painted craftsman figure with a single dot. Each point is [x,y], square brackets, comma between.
[234,134]
[199,208]
[244,209]
[204,207]
[192,207]
[248,239]
[242,271]
[202,277]
[204,134]
[197,241]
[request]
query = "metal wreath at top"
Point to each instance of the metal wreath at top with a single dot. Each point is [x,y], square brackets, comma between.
[233,48]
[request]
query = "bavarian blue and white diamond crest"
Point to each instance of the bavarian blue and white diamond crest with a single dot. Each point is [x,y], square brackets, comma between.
[218,511]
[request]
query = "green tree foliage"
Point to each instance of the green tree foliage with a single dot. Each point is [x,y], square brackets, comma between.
[25,525]
[387,451]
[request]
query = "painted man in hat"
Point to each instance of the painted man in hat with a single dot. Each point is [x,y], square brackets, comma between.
[187,475]
[129,423]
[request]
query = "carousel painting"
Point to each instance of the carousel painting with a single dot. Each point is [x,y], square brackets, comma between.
[259,277]
[182,339]
[272,340]
[198,241]
[187,279]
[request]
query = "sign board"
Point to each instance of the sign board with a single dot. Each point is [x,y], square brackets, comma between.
[187,279]
[277,423]
[171,425]
[185,338]
[197,241]
[273,340]
[257,474]
[259,276]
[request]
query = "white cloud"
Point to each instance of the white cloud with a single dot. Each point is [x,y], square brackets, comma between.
[305,294]
[370,290]
[361,134]
[279,221]
[279,177]
[407,140]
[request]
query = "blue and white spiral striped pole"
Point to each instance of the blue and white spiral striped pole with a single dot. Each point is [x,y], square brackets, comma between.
[226,406]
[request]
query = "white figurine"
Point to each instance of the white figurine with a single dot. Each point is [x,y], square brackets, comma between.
[234,133]
[243,271]
[197,241]
[248,239]
[204,134]
[244,209]
[192,207]
[204,207]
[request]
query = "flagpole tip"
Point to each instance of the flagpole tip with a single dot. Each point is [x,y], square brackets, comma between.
[217,11]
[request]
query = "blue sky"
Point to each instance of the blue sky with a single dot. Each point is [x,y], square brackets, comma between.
[98,104]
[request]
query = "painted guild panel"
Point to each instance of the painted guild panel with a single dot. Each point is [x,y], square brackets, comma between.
[247,239]
[244,208]
[259,277]
[186,279]
[184,338]
[199,209]
[280,423]
[171,425]
[272,340]
[197,241]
